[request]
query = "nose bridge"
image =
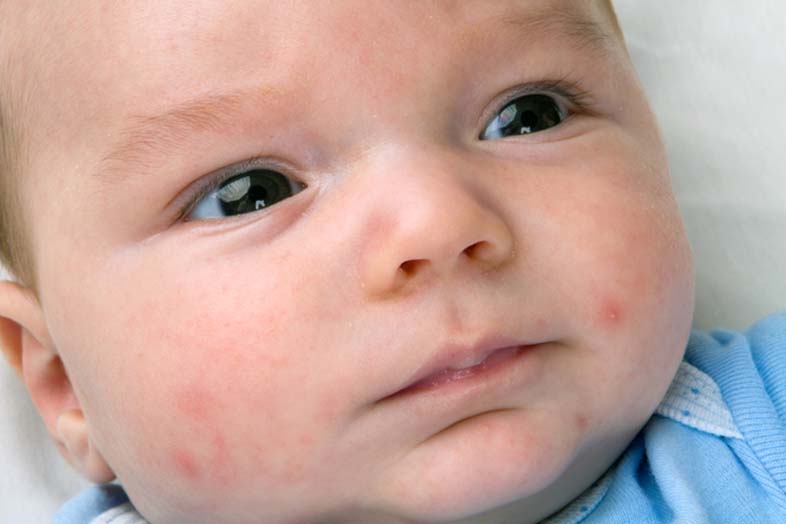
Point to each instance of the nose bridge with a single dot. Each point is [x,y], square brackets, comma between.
[425,219]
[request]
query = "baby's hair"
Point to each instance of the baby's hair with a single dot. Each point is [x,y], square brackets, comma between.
[14,250]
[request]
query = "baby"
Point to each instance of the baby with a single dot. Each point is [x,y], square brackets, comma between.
[365,261]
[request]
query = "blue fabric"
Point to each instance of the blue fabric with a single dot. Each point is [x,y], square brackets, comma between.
[90,504]
[693,467]
[713,453]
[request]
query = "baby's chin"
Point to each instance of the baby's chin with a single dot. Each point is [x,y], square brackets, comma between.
[492,467]
[483,470]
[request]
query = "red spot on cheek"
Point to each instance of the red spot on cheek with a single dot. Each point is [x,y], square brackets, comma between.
[209,457]
[186,464]
[219,463]
[196,403]
[610,314]
[582,422]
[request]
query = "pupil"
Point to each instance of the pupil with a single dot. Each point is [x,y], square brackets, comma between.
[263,189]
[525,115]
[529,119]
[533,113]
[257,193]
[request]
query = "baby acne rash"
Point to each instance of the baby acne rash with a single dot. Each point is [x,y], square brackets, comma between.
[206,457]
[609,314]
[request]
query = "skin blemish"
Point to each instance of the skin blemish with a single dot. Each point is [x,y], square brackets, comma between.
[186,464]
[609,314]
[212,464]
[209,456]
[582,422]
[195,403]
[219,463]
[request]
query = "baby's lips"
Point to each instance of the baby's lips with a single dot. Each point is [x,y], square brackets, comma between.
[453,361]
[452,374]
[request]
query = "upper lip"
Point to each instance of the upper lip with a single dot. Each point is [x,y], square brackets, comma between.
[459,356]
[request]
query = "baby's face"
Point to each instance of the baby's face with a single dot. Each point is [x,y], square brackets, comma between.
[256,223]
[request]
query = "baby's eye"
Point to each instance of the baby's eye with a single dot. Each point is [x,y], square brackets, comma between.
[523,116]
[252,190]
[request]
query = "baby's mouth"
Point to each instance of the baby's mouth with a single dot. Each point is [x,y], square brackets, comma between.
[451,374]
[464,364]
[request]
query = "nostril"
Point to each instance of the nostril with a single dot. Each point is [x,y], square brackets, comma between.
[478,249]
[489,253]
[410,267]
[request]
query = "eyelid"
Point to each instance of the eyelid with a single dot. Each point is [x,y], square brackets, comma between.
[563,87]
[187,201]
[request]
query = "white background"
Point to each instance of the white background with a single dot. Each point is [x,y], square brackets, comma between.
[716,75]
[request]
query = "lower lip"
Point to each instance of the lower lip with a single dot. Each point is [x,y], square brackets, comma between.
[488,370]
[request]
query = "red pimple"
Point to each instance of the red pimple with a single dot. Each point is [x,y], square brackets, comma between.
[209,456]
[610,314]
[186,464]
[196,403]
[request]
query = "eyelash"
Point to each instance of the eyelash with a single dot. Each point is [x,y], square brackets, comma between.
[564,87]
[222,175]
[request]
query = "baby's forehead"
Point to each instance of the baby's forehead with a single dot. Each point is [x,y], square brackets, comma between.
[177,21]
[107,57]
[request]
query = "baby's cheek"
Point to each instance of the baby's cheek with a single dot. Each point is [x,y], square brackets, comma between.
[202,457]
[637,276]
[219,419]
[223,439]
[616,304]
[609,313]
[208,449]
[222,442]
[638,312]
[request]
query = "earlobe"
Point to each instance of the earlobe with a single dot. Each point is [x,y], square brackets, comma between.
[74,441]
[26,344]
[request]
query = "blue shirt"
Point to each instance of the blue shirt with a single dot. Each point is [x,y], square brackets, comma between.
[714,451]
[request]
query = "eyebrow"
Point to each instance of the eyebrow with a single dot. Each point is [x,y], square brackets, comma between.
[582,32]
[149,138]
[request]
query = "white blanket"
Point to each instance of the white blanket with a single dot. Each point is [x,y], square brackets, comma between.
[716,75]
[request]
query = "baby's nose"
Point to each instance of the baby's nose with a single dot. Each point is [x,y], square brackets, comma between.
[431,216]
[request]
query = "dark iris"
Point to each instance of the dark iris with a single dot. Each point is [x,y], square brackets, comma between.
[252,191]
[525,115]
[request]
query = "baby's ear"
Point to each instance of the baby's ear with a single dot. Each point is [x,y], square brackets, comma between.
[26,344]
